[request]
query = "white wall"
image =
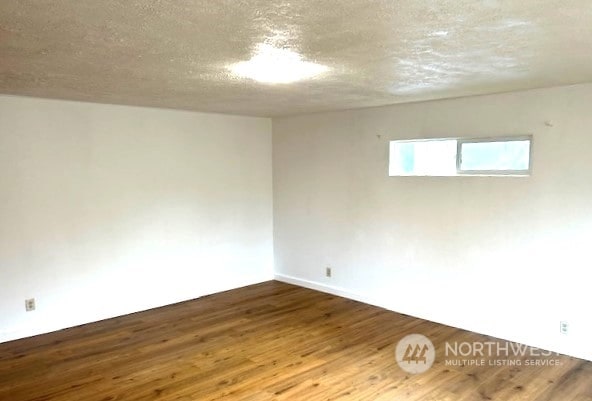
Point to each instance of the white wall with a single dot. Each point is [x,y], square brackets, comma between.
[107,210]
[509,257]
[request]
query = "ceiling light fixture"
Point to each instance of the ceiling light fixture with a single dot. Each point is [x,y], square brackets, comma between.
[276,66]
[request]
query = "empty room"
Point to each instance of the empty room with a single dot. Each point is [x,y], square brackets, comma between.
[295,200]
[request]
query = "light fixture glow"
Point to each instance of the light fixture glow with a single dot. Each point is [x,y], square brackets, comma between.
[276,66]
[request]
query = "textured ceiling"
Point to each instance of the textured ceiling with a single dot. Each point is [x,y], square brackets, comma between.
[175,53]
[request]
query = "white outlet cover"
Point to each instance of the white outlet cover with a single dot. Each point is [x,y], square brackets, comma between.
[30,304]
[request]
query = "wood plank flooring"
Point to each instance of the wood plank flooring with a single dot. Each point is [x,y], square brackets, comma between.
[271,341]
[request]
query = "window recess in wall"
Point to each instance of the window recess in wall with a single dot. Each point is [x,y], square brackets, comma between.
[500,156]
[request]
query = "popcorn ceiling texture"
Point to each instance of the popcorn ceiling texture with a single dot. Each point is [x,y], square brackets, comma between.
[175,53]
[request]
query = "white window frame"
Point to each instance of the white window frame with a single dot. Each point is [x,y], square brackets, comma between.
[458,172]
[461,141]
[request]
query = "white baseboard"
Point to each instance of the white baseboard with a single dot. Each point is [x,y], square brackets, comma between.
[37,328]
[329,289]
[342,292]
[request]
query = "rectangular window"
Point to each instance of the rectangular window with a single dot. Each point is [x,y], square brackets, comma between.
[483,156]
[452,157]
[423,157]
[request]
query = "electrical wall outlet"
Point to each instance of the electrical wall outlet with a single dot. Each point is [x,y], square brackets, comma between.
[30,304]
[328,271]
[563,327]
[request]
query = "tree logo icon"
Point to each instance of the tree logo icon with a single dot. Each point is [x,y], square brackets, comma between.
[415,353]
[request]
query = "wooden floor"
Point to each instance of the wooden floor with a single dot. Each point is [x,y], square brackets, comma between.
[271,341]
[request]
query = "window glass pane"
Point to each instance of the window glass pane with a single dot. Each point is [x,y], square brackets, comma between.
[495,155]
[424,157]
